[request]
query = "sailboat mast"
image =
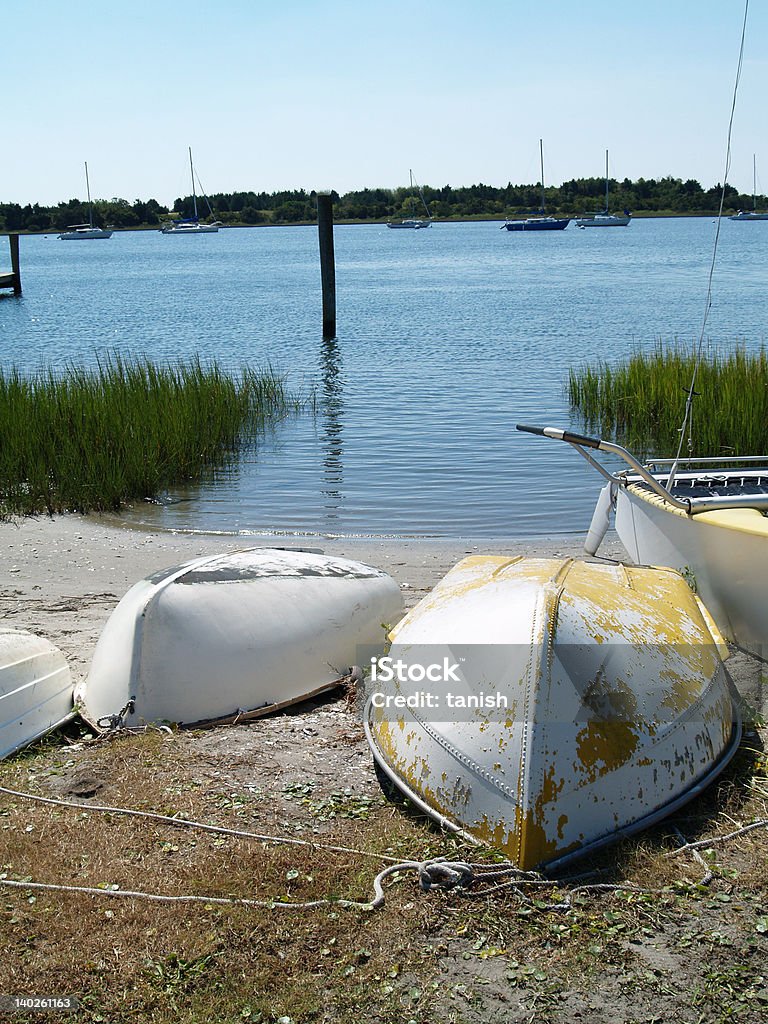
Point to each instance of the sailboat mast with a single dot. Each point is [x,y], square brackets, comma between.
[606,181]
[88,190]
[192,173]
[754,182]
[421,194]
[541,156]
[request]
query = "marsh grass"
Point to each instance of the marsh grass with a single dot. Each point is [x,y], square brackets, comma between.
[92,439]
[640,403]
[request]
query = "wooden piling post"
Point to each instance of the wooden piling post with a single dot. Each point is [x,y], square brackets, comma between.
[12,280]
[15,265]
[327,262]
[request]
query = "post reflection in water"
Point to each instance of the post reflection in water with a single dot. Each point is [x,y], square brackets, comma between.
[331,436]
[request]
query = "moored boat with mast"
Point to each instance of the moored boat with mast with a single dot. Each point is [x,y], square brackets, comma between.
[75,232]
[540,222]
[414,223]
[604,219]
[191,225]
[751,214]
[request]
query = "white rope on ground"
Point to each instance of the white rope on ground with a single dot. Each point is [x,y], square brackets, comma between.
[433,873]
[704,844]
[188,823]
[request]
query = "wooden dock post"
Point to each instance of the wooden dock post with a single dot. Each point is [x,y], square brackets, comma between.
[327,262]
[12,280]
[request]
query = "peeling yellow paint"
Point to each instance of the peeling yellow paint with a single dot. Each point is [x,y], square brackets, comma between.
[603,747]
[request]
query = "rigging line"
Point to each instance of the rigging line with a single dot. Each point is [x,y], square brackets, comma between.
[708,302]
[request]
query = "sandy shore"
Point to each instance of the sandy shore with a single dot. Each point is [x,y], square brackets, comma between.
[63,576]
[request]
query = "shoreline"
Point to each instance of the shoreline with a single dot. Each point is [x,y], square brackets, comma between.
[66,574]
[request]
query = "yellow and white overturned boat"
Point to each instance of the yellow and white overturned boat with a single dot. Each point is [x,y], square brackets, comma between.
[228,636]
[547,707]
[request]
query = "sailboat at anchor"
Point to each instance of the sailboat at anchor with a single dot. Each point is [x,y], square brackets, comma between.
[751,214]
[541,222]
[604,219]
[414,222]
[191,225]
[78,231]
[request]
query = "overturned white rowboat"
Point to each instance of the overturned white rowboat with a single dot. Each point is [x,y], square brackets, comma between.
[35,689]
[547,707]
[229,635]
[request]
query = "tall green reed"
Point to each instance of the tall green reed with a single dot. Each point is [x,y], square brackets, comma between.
[640,403]
[94,439]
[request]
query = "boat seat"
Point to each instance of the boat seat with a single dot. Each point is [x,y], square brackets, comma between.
[747,520]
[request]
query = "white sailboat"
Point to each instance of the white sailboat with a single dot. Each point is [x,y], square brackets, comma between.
[414,222]
[604,219]
[751,214]
[77,231]
[191,225]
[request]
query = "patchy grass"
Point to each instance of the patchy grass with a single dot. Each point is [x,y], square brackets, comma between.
[688,952]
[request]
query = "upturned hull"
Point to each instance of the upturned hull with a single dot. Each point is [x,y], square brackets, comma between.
[579,703]
[35,689]
[724,553]
[236,633]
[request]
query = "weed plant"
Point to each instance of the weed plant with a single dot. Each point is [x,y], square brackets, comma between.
[93,439]
[641,402]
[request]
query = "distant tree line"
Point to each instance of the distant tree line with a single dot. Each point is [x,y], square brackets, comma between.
[580,195]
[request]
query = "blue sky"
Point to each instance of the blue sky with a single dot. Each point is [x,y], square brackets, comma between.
[343,94]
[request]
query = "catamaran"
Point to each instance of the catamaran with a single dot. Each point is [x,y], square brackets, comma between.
[708,521]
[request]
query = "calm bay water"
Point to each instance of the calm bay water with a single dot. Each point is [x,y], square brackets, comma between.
[446,339]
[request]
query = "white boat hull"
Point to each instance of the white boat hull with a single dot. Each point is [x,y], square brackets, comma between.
[601,220]
[236,632]
[84,233]
[189,229]
[616,704]
[727,564]
[415,225]
[35,689]
[748,215]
